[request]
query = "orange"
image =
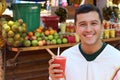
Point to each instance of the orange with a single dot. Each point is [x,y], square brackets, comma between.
[41,27]
[52,31]
[38,30]
[30,34]
[47,32]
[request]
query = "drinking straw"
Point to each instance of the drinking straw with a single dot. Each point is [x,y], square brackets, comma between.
[82,2]
[50,52]
[58,52]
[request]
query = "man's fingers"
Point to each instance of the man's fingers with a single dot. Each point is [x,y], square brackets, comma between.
[55,73]
[50,61]
[53,66]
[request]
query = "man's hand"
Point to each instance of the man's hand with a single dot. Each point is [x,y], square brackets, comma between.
[53,72]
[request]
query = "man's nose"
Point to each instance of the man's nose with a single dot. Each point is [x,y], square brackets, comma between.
[89,28]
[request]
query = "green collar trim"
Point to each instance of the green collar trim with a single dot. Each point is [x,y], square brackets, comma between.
[94,55]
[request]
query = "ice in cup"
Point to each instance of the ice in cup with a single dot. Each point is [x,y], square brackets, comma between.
[62,61]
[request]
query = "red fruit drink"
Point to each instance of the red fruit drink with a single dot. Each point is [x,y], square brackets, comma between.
[62,61]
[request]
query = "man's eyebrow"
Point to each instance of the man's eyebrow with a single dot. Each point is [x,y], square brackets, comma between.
[96,20]
[90,21]
[82,22]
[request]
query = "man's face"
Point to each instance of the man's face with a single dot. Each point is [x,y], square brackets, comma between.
[89,27]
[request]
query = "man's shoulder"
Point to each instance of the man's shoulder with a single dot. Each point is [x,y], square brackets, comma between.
[72,49]
[112,50]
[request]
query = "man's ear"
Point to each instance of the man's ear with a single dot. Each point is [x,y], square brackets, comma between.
[102,26]
[75,27]
[76,30]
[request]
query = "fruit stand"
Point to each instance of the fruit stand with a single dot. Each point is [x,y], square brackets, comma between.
[12,61]
[21,40]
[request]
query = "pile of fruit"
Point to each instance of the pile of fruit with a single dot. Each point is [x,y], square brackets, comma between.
[3,19]
[15,35]
[42,36]
[13,32]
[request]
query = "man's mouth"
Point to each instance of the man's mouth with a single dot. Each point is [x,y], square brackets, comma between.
[89,35]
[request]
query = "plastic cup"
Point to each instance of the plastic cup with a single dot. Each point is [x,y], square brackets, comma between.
[63,27]
[62,61]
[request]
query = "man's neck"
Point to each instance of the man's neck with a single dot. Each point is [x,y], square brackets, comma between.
[90,49]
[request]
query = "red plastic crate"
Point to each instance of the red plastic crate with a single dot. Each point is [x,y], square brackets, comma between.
[51,21]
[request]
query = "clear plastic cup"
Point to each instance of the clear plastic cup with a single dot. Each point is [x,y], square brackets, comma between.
[62,61]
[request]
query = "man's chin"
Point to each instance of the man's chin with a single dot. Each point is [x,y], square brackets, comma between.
[90,43]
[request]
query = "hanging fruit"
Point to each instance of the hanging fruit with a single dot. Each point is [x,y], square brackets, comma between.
[2,6]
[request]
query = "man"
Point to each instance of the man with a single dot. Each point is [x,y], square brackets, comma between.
[92,59]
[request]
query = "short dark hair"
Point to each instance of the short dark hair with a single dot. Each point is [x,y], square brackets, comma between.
[85,8]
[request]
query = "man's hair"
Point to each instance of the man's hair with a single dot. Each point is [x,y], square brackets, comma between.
[85,8]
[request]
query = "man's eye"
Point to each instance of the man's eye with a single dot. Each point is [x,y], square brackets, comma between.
[82,25]
[94,23]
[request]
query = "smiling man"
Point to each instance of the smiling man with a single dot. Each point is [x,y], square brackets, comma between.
[91,59]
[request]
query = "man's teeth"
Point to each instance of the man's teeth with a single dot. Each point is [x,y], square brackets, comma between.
[89,35]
